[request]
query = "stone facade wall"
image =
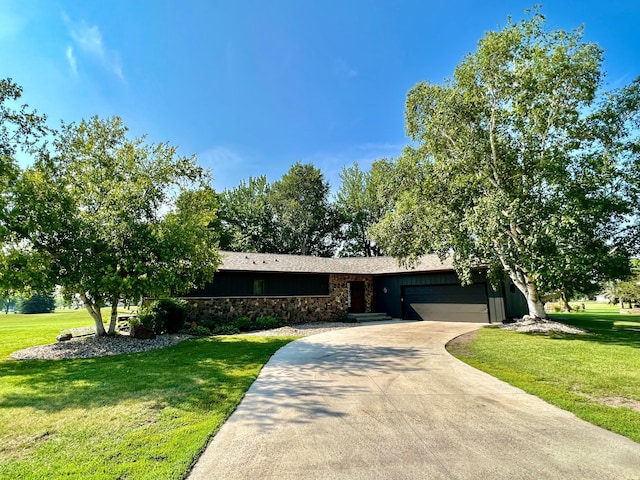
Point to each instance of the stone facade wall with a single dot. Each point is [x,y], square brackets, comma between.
[293,309]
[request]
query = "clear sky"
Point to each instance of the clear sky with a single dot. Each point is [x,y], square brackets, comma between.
[251,87]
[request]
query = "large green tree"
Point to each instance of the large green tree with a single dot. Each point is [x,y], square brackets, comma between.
[20,131]
[511,165]
[305,222]
[356,202]
[246,217]
[111,218]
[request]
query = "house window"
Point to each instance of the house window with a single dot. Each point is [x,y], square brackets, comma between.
[258,287]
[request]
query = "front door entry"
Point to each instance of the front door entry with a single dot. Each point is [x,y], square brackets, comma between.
[356,295]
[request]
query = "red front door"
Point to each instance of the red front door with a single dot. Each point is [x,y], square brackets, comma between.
[356,294]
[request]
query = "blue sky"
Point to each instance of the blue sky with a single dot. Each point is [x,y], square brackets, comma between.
[251,87]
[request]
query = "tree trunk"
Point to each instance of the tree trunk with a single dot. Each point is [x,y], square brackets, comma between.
[94,311]
[536,307]
[528,288]
[564,303]
[114,316]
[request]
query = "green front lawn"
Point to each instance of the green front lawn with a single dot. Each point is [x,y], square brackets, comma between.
[139,416]
[595,376]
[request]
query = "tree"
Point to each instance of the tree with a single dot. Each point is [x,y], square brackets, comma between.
[20,130]
[512,167]
[357,204]
[304,220]
[8,303]
[246,217]
[38,303]
[108,219]
[629,289]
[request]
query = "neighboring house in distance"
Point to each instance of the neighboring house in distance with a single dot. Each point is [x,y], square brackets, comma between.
[306,289]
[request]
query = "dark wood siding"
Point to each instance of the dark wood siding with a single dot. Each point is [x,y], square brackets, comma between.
[241,284]
[389,301]
[515,301]
[387,289]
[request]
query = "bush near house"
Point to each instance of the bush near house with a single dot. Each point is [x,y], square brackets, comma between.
[267,323]
[244,324]
[167,315]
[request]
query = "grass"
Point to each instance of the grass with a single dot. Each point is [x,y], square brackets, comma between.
[596,376]
[139,416]
[21,331]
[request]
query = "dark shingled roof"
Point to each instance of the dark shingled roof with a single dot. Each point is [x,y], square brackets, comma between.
[272,262]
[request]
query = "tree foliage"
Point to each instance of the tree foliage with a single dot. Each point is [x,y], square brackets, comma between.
[20,130]
[110,218]
[8,303]
[514,164]
[246,217]
[358,205]
[304,220]
[38,303]
[293,215]
[629,290]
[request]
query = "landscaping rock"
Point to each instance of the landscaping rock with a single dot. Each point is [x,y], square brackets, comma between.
[143,333]
[530,324]
[92,346]
[63,337]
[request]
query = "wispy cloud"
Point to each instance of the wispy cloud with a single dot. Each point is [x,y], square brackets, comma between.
[343,69]
[72,60]
[88,39]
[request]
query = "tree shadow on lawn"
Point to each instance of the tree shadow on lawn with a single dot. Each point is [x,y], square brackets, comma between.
[190,376]
[606,329]
[195,375]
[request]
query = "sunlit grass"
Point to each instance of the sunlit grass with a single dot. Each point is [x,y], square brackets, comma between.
[596,376]
[140,416]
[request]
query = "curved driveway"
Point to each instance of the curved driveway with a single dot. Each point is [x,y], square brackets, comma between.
[388,402]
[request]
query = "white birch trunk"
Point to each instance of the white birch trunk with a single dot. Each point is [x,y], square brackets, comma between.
[528,288]
[95,313]
[114,316]
[536,307]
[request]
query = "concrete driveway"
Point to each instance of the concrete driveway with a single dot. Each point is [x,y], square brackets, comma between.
[388,402]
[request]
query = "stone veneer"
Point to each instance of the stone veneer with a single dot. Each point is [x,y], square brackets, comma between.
[293,309]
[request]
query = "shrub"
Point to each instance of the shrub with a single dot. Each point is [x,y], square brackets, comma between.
[151,318]
[38,303]
[209,323]
[133,323]
[176,311]
[244,324]
[165,315]
[225,330]
[200,331]
[267,323]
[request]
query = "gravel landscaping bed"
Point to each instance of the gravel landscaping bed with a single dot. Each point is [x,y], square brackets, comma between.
[92,346]
[304,330]
[537,325]
[89,346]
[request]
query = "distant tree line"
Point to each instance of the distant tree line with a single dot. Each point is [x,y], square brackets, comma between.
[297,215]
